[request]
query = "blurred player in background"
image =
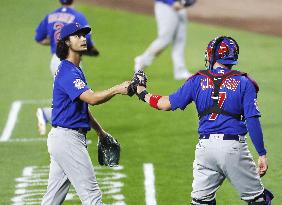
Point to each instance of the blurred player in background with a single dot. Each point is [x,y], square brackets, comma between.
[48,33]
[171,17]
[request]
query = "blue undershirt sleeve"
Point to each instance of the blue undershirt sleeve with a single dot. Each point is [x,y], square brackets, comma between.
[255,132]
[41,30]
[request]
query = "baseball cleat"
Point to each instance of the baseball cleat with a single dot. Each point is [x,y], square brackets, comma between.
[88,141]
[41,121]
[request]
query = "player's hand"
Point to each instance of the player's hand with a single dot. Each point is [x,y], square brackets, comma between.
[177,5]
[139,79]
[140,89]
[262,165]
[122,88]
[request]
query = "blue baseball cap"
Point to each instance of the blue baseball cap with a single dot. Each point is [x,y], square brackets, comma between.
[72,28]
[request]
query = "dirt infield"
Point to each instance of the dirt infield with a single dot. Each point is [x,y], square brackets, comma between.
[262,16]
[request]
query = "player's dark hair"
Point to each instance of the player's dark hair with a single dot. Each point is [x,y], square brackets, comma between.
[62,50]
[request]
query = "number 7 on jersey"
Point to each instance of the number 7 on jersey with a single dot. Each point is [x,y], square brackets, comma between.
[221,100]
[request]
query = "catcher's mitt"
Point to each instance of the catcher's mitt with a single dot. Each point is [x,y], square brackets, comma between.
[108,151]
[140,79]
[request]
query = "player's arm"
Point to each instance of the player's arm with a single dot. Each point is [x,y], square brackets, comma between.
[156,101]
[45,42]
[96,125]
[252,114]
[41,33]
[177,5]
[180,4]
[255,132]
[179,99]
[77,88]
[99,97]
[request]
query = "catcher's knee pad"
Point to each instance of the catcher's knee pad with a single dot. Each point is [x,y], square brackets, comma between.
[201,202]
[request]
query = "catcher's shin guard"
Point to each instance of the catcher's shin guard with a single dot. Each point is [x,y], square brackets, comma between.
[263,199]
[268,196]
[257,203]
[259,200]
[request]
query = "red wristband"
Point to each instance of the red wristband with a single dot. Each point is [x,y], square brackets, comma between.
[154,99]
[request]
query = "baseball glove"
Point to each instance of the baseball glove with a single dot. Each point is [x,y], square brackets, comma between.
[140,79]
[187,3]
[108,151]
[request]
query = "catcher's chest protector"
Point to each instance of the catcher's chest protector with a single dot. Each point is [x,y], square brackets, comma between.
[217,81]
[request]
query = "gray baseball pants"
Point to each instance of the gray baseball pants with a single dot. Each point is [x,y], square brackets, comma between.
[171,27]
[217,159]
[70,164]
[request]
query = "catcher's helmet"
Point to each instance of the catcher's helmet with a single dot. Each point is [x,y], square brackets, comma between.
[222,49]
[67,2]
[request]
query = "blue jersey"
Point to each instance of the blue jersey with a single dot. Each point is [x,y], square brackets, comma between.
[51,25]
[68,110]
[237,95]
[169,2]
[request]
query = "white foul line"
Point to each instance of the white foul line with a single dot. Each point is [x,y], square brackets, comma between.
[12,119]
[149,184]
[37,139]
[13,115]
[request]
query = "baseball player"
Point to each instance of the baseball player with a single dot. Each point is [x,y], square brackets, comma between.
[226,101]
[171,17]
[71,119]
[47,33]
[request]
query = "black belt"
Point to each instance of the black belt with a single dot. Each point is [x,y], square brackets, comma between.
[225,137]
[79,130]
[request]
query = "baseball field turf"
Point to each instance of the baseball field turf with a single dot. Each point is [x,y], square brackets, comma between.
[163,141]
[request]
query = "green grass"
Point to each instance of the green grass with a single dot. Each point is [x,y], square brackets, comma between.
[166,139]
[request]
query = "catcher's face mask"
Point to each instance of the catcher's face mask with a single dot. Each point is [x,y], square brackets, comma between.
[222,49]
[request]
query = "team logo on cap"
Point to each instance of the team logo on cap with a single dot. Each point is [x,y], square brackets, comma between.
[79,84]
[77,25]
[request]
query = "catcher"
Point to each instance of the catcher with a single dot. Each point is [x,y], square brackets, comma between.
[226,101]
[71,120]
